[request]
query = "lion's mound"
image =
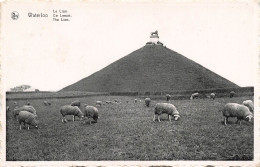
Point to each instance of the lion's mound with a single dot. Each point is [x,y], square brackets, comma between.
[149,69]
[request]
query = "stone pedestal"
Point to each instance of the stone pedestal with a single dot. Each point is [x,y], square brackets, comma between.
[154,39]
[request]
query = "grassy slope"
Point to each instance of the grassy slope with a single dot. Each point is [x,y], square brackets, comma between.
[151,68]
[127,132]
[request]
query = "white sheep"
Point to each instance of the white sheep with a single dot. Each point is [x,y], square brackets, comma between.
[46,103]
[90,112]
[236,110]
[98,103]
[27,118]
[147,101]
[231,94]
[166,108]
[168,97]
[7,108]
[108,102]
[70,110]
[75,103]
[116,101]
[30,109]
[194,96]
[213,95]
[249,104]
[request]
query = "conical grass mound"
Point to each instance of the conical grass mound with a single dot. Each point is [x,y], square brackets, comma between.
[151,68]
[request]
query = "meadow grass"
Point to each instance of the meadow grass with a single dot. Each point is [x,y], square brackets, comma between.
[126,131]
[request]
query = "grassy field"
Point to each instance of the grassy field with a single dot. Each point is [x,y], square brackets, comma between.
[126,132]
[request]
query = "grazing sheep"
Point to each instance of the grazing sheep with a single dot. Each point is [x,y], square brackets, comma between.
[75,103]
[7,108]
[147,101]
[168,97]
[249,104]
[46,103]
[236,110]
[231,94]
[70,110]
[109,102]
[90,112]
[27,118]
[194,96]
[30,109]
[166,108]
[98,103]
[135,100]
[213,95]
[116,101]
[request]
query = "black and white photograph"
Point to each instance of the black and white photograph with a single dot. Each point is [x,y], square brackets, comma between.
[125,83]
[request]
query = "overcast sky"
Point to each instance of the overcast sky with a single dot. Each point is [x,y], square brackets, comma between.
[50,55]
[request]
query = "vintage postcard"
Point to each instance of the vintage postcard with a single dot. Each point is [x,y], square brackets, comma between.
[130,83]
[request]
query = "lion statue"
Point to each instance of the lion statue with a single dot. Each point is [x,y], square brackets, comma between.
[154,33]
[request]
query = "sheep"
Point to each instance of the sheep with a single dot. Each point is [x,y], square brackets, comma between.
[231,94]
[194,96]
[75,103]
[147,101]
[27,118]
[90,112]
[108,102]
[236,110]
[7,108]
[70,110]
[46,103]
[249,104]
[16,113]
[166,108]
[168,97]
[213,95]
[116,101]
[30,109]
[98,103]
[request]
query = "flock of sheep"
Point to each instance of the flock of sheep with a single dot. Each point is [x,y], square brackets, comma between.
[242,111]
[27,114]
[74,110]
